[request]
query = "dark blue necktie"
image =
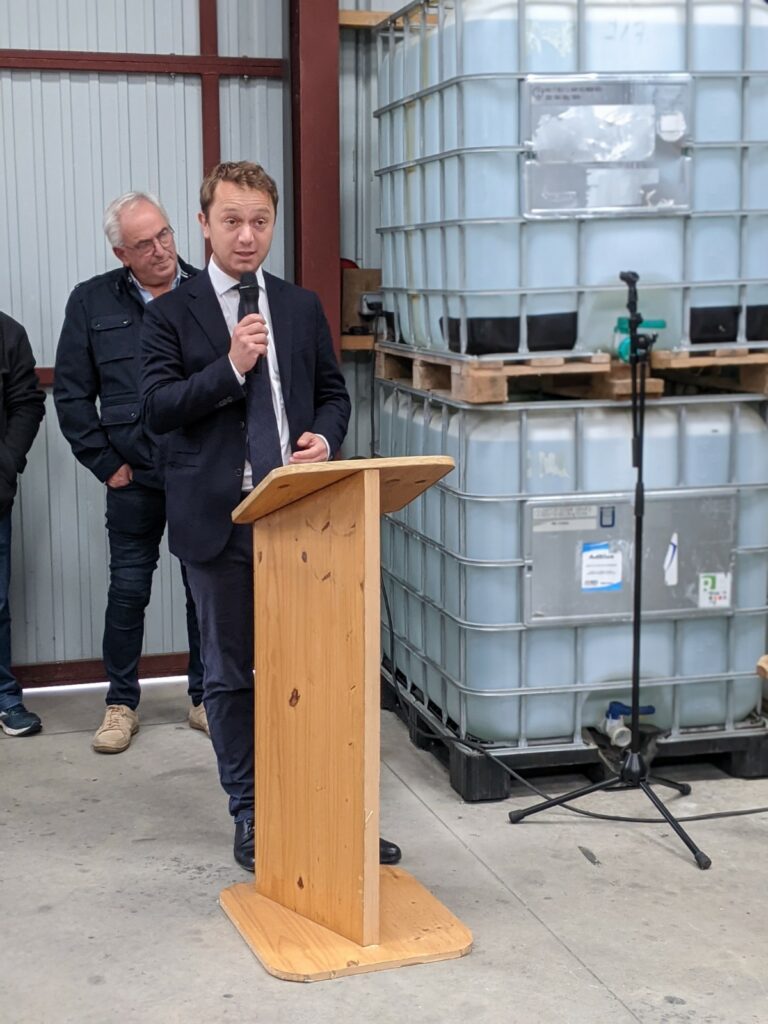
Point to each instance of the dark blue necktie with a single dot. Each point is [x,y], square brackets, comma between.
[263,450]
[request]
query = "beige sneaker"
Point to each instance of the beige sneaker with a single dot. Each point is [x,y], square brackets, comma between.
[198,719]
[115,732]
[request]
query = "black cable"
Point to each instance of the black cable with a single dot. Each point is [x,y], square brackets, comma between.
[616,817]
[479,748]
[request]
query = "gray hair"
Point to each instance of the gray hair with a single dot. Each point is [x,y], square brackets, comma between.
[114,212]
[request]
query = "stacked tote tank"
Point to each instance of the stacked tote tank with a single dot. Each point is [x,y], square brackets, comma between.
[504,227]
[511,580]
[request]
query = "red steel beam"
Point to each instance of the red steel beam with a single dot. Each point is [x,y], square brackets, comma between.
[209,27]
[141,63]
[58,673]
[315,114]
[209,46]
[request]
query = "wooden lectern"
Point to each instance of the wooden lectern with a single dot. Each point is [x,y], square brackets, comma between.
[320,905]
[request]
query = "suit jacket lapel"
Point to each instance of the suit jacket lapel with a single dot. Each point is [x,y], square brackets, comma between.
[204,306]
[280,314]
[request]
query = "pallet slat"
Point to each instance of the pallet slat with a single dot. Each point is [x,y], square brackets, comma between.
[479,382]
[686,367]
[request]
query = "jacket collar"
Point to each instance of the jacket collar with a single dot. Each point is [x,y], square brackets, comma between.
[125,287]
[204,307]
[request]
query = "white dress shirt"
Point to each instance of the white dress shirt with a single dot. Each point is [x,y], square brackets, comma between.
[227,293]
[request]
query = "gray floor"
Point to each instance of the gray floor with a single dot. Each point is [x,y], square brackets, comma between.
[111,868]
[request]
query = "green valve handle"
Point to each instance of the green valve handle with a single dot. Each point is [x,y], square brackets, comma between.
[622,324]
[623,350]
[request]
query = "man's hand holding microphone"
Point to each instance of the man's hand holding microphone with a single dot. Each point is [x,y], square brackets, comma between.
[250,338]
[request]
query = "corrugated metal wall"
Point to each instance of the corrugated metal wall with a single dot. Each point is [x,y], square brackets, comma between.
[357,101]
[72,141]
[359,195]
[253,127]
[110,26]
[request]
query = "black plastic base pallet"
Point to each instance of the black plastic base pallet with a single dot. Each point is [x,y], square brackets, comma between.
[475,776]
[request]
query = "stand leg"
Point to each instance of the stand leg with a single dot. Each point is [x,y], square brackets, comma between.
[682,787]
[701,858]
[515,816]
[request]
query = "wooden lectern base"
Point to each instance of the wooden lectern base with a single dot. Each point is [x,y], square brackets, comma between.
[415,929]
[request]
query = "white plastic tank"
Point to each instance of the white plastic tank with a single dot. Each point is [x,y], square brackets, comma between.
[467,570]
[464,269]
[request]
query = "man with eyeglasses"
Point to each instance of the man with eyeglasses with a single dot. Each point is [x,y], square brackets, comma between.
[96,391]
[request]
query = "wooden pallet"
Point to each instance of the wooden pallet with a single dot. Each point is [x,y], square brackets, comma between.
[469,380]
[615,385]
[731,369]
[357,342]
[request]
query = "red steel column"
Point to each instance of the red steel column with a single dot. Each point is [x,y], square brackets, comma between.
[315,113]
[209,46]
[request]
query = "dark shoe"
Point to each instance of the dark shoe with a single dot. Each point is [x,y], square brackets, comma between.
[17,721]
[389,853]
[244,844]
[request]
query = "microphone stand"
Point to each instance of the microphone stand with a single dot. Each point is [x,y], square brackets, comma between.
[634,771]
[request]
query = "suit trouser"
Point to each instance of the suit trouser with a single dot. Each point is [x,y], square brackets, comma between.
[135,524]
[223,593]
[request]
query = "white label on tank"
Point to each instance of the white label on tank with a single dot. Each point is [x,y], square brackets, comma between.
[553,519]
[671,562]
[714,590]
[600,567]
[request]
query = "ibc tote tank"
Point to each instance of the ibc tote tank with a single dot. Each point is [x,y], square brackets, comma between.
[501,625]
[469,266]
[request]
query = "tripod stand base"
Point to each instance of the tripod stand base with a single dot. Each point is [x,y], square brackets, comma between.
[633,775]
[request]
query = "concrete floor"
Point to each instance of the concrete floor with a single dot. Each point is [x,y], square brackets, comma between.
[111,867]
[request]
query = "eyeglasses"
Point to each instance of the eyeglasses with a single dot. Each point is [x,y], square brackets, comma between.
[146,245]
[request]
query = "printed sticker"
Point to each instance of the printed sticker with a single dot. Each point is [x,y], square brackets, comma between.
[714,590]
[554,519]
[600,567]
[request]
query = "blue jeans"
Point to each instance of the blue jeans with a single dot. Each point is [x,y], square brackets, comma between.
[10,691]
[135,526]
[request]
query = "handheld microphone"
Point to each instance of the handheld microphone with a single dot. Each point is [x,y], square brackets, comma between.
[249,300]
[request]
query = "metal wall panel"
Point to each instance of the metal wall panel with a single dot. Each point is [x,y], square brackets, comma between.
[112,26]
[70,144]
[248,29]
[254,127]
[357,101]
[60,563]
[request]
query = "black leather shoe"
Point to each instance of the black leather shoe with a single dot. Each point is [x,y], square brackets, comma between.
[389,853]
[244,844]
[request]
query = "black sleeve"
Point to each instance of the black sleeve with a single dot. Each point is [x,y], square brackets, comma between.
[171,399]
[24,399]
[75,389]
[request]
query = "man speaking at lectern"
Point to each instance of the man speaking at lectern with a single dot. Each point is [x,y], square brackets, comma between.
[237,393]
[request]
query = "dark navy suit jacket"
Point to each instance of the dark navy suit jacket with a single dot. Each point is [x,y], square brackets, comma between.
[98,361]
[191,394]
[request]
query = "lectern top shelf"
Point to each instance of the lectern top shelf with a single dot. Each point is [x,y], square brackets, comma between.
[401,480]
